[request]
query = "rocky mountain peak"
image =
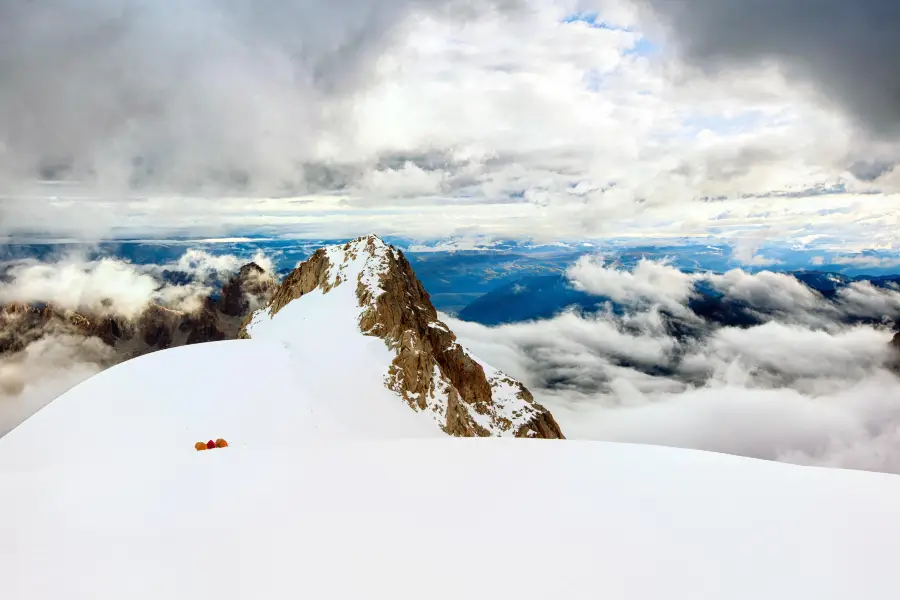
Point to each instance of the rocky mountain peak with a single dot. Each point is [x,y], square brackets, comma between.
[248,290]
[430,371]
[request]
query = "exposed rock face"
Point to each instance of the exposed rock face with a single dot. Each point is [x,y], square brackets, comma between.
[156,328]
[20,324]
[311,274]
[431,371]
[250,289]
[894,360]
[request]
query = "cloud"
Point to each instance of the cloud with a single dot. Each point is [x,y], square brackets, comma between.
[650,281]
[775,295]
[774,424]
[46,368]
[104,286]
[40,359]
[801,387]
[211,94]
[863,299]
[212,120]
[410,180]
[774,392]
[860,72]
[207,267]
[767,295]
[113,286]
[865,261]
[776,354]
[747,252]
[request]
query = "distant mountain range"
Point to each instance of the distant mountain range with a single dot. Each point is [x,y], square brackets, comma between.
[543,296]
[457,275]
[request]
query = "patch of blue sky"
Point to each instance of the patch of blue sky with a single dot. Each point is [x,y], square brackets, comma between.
[643,47]
[592,18]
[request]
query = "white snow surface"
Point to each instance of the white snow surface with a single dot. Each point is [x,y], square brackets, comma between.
[102,496]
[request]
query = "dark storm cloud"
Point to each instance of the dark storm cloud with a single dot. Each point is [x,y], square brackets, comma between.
[849,49]
[870,170]
[233,93]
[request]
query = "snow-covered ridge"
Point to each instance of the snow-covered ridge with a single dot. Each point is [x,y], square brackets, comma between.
[426,366]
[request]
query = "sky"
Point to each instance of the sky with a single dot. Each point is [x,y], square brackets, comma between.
[550,119]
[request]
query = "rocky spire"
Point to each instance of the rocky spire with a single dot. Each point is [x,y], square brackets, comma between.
[430,371]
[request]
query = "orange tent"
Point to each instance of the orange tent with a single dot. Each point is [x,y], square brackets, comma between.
[219,443]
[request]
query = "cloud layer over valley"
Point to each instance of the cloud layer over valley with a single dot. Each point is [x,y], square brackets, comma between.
[41,357]
[802,387]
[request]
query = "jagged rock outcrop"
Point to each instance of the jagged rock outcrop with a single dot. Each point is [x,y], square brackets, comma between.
[249,290]
[20,324]
[431,371]
[156,328]
[893,362]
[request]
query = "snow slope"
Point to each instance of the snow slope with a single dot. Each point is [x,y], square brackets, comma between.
[102,496]
[240,389]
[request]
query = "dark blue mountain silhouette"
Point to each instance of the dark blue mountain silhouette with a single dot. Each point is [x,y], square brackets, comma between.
[541,297]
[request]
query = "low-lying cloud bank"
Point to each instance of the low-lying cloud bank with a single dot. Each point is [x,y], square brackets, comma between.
[38,364]
[802,387]
[46,368]
[765,295]
[116,287]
